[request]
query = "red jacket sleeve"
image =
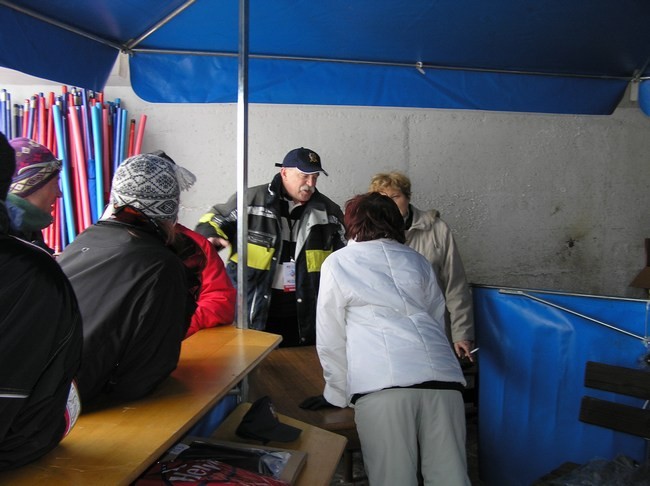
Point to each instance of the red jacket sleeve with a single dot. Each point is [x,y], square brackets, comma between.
[217,296]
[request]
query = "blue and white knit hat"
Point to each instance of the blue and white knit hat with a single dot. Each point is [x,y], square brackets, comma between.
[151,184]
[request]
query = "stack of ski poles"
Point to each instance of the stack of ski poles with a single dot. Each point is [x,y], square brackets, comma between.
[90,136]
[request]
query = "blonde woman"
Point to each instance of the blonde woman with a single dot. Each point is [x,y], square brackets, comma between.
[429,235]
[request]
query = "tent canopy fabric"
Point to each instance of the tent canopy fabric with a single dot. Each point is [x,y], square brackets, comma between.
[557,56]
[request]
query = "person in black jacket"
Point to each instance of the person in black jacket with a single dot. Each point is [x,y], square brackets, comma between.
[292,228]
[40,349]
[133,289]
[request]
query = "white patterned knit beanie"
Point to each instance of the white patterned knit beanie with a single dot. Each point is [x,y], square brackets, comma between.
[151,184]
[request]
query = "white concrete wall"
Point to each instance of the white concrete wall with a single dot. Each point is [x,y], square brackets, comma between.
[535,201]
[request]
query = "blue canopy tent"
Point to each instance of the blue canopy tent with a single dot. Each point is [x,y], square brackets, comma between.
[556,56]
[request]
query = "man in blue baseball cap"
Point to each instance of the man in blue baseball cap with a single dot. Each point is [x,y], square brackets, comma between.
[292,228]
[305,160]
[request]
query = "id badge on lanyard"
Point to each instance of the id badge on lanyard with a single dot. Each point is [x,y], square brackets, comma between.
[289,276]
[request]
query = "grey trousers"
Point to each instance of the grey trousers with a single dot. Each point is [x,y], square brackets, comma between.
[397,426]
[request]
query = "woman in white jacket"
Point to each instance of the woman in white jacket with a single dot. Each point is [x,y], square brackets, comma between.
[381,341]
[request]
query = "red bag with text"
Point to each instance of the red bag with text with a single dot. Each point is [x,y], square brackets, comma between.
[184,472]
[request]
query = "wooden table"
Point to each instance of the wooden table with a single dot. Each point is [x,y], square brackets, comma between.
[116,445]
[288,376]
[323,448]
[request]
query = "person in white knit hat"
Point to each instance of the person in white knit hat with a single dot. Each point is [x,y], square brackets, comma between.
[133,289]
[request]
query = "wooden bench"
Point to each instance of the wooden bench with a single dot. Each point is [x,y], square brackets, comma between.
[603,413]
[288,376]
[116,445]
[617,416]
[323,448]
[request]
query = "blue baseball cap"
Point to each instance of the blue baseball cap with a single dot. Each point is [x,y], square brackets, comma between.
[303,159]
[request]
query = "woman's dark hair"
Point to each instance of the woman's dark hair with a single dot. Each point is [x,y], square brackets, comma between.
[372,216]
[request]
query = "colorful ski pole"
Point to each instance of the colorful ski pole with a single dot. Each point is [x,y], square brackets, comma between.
[40,103]
[25,130]
[18,119]
[123,135]
[32,118]
[117,130]
[138,141]
[131,137]
[82,175]
[96,112]
[3,107]
[10,134]
[106,135]
[65,171]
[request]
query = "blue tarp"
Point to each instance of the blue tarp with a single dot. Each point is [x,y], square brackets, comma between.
[371,85]
[532,362]
[557,56]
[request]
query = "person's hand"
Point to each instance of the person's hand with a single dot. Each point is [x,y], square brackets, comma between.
[316,403]
[463,350]
[218,243]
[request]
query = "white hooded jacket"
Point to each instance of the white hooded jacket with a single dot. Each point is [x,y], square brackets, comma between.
[380,321]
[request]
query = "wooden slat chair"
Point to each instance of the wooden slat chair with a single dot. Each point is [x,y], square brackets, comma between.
[617,416]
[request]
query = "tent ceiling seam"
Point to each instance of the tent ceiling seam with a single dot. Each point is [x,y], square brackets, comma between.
[418,65]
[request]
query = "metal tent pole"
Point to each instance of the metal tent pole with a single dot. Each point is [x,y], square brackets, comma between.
[575,313]
[242,176]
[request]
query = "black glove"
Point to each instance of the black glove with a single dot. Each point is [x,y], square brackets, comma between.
[316,403]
